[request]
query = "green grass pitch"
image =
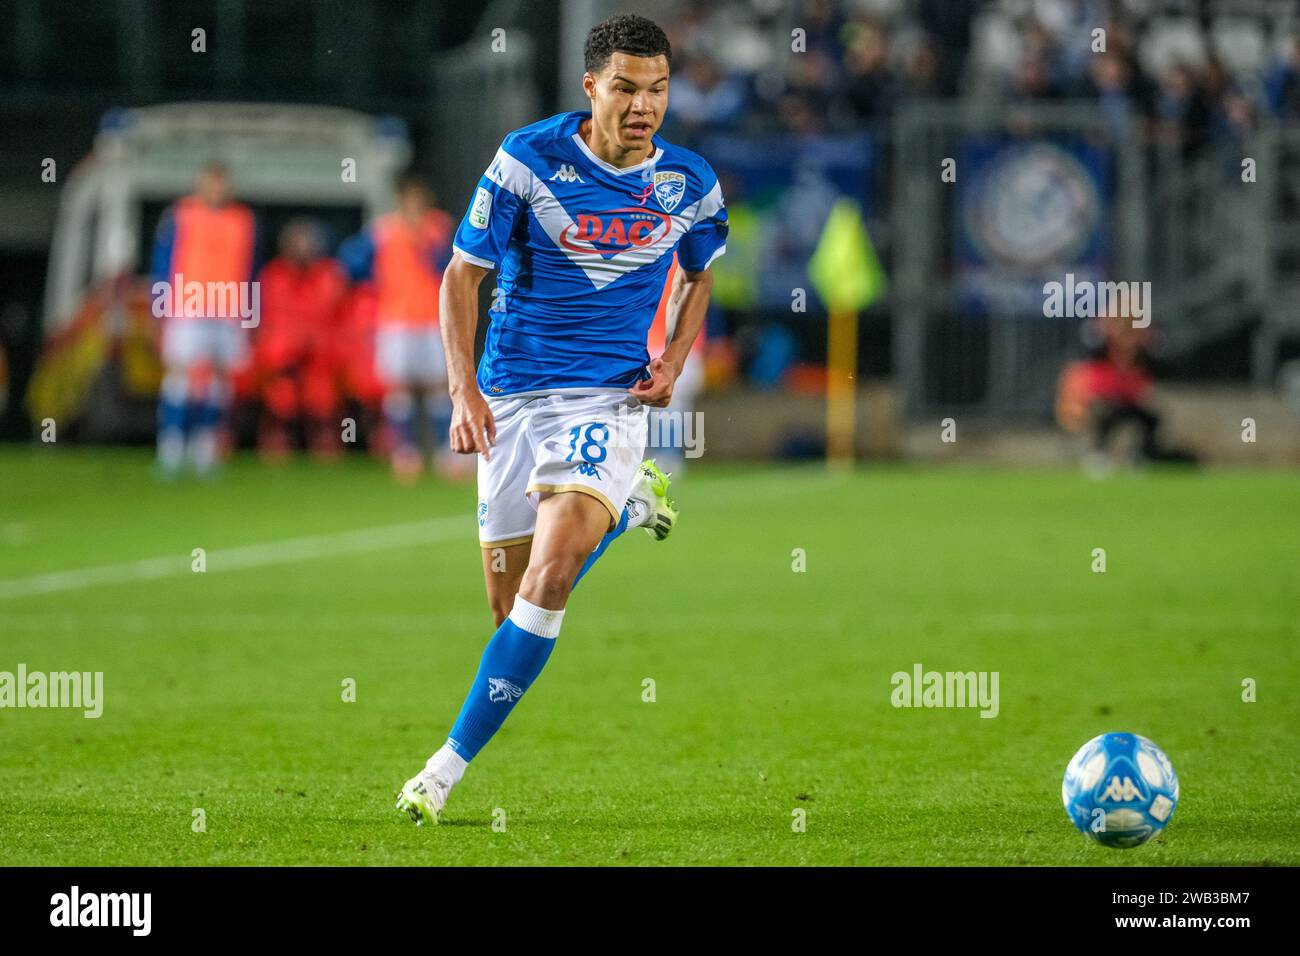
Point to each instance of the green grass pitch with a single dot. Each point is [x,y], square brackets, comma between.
[223,690]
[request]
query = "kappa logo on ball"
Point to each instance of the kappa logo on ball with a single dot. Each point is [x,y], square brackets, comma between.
[1121,790]
[670,187]
[501,691]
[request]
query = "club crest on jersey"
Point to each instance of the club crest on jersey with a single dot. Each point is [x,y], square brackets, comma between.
[670,187]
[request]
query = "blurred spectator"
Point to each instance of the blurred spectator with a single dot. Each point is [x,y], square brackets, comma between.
[1033,78]
[947,24]
[821,22]
[1111,390]
[922,74]
[1282,85]
[1111,82]
[1068,24]
[870,88]
[1182,115]
[702,96]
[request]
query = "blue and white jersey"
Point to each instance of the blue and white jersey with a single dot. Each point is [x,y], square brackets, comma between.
[582,249]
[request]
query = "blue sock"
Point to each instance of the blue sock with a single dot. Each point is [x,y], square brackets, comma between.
[438,409]
[171,414]
[605,542]
[171,423]
[513,659]
[399,412]
[207,414]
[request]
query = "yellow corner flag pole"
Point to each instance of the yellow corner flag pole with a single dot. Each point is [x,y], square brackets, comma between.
[841,389]
[847,275]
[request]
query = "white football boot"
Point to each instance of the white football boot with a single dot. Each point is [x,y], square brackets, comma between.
[423,797]
[648,504]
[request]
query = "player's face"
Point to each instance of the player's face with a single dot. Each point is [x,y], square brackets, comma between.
[413,203]
[629,98]
[300,245]
[213,187]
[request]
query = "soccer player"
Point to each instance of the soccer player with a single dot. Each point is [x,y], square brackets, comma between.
[404,253]
[579,214]
[208,239]
[293,349]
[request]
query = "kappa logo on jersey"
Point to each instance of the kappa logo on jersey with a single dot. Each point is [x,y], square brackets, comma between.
[482,513]
[567,174]
[1121,791]
[617,230]
[502,691]
[670,187]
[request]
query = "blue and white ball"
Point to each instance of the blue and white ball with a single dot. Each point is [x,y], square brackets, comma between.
[1120,789]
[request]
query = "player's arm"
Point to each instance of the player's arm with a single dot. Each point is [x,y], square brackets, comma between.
[688,303]
[472,426]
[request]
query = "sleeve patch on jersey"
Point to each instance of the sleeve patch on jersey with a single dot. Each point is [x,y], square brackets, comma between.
[481,210]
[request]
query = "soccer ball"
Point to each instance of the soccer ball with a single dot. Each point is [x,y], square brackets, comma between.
[1120,789]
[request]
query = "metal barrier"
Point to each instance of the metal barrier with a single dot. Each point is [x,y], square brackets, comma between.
[1221,253]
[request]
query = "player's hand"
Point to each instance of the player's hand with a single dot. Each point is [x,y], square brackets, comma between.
[657,390]
[473,429]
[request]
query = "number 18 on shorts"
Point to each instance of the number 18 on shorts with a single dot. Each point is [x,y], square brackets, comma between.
[590,443]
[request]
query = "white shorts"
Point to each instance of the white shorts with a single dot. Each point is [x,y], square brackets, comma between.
[186,342]
[409,355]
[590,443]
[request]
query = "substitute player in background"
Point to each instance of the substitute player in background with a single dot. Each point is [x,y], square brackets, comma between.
[404,254]
[579,214]
[209,239]
[294,354]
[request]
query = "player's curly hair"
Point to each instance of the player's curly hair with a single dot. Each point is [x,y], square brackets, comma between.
[624,33]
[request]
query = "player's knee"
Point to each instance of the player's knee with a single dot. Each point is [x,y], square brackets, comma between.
[549,582]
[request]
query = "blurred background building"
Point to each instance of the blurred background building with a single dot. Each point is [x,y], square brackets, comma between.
[990,147]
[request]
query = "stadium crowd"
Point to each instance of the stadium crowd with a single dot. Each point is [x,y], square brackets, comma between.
[1188,77]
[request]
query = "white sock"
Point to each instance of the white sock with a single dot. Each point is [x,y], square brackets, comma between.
[638,512]
[203,448]
[171,448]
[536,620]
[447,764]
